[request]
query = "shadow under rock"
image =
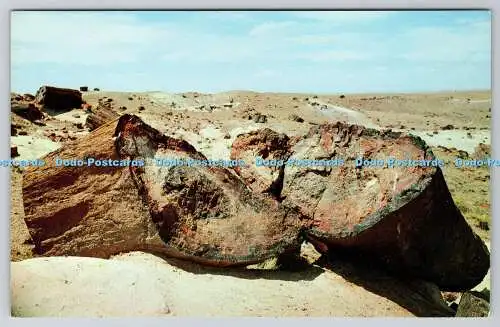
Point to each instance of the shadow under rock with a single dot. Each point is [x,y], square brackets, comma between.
[289,272]
[421,298]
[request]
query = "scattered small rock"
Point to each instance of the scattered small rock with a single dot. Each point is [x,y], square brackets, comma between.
[227,136]
[469,135]
[296,118]
[141,108]
[130,98]
[22,133]
[96,89]
[14,152]
[76,116]
[484,225]
[448,127]
[259,118]
[84,88]
[342,96]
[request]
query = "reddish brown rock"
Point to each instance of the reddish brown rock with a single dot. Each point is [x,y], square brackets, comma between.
[58,99]
[86,211]
[204,214]
[404,217]
[262,144]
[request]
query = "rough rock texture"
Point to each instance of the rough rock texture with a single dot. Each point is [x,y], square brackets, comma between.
[58,98]
[206,214]
[403,217]
[99,116]
[88,211]
[267,145]
[27,110]
[473,304]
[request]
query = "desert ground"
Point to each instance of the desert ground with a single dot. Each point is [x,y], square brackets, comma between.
[454,124]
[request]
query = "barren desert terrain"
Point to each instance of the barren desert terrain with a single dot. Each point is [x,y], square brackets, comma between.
[454,124]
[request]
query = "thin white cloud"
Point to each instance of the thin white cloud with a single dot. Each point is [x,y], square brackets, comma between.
[343,17]
[272,28]
[468,43]
[86,38]
[335,55]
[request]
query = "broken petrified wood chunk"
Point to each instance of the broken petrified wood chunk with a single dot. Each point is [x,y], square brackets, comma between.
[402,216]
[58,98]
[99,116]
[267,145]
[27,110]
[205,212]
[85,211]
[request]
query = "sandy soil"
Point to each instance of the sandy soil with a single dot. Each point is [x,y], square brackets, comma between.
[148,285]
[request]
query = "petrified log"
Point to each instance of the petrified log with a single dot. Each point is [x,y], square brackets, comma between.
[27,110]
[402,216]
[100,116]
[263,144]
[58,98]
[205,214]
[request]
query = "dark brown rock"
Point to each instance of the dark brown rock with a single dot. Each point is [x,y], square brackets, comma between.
[28,97]
[259,118]
[13,152]
[27,110]
[84,88]
[296,118]
[58,99]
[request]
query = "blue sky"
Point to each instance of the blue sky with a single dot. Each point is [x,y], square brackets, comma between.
[294,51]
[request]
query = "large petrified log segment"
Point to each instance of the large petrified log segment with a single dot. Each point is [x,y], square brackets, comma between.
[271,147]
[85,211]
[100,116]
[404,216]
[205,212]
[58,98]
